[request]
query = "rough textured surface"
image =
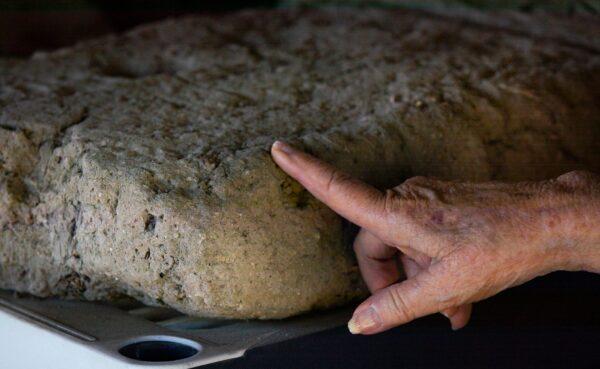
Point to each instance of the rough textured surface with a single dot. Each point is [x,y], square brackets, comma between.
[564,6]
[138,164]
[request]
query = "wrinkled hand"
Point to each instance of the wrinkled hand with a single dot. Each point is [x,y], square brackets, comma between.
[458,242]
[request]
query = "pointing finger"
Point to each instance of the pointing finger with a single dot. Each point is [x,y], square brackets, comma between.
[353,199]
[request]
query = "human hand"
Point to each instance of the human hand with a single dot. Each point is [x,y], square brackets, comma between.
[458,242]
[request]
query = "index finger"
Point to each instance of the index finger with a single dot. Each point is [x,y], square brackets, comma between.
[353,199]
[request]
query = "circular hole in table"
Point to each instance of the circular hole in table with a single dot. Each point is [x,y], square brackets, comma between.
[160,349]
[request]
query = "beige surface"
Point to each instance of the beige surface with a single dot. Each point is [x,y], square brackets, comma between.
[139,164]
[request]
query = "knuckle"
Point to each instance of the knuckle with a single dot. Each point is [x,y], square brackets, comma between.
[416,180]
[576,179]
[406,190]
[397,210]
[336,178]
[450,294]
[399,307]
[390,201]
[420,189]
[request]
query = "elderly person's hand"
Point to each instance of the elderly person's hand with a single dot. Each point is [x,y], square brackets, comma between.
[458,242]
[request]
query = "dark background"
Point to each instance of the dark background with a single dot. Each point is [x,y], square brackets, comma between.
[30,25]
[550,322]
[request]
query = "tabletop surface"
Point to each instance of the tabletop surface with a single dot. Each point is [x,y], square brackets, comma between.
[551,322]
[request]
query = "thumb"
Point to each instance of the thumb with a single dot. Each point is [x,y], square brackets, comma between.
[426,293]
[458,315]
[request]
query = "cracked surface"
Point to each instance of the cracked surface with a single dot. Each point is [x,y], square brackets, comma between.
[138,164]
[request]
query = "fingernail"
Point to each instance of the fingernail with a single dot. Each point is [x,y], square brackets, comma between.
[364,321]
[282,146]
